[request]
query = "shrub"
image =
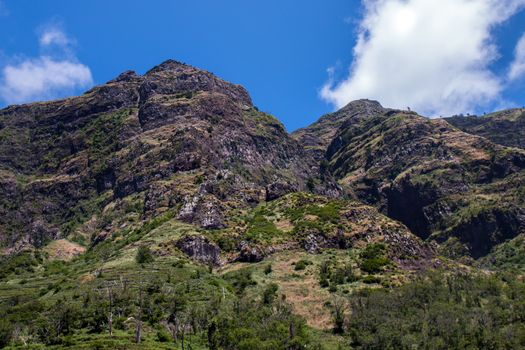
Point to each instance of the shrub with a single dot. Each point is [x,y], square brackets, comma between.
[163,336]
[373,251]
[302,264]
[373,258]
[227,244]
[240,280]
[5,333]
[269,294]
[323,282]
[374,265]
[261,229]
[268,269]
[371,279]
[144,255]
[178,264]
[310,184]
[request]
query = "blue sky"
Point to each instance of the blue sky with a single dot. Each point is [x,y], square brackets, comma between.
[280,50]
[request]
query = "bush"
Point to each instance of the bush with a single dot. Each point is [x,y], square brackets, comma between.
[269,294]
[178,264]
[5,333]
[373,258]
[261,229]
[302,264]
[310,184]
[240,280]
[373,251]
[323,282]
[163,336]
[144,255]
[227,244]
[374,265]
[268,269]
[371,279]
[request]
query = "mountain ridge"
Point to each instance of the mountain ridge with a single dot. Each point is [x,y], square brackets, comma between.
[172,94]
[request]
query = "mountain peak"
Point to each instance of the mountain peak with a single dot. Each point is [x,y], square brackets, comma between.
[358,108]
[362,104]
[172,78]
[168,65]
[126,76]
[318,136]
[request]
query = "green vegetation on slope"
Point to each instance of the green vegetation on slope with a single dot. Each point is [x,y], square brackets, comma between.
[440,311]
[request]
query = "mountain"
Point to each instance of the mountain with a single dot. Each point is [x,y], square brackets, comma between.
[506,128]
[177,144]
[458,189]
[317,137]
[177,138]
[164,210]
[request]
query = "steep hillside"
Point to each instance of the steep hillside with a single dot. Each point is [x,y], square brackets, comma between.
[281,265]
[505,128]
[318,136]
[456,188]
[165,211]
[177,138]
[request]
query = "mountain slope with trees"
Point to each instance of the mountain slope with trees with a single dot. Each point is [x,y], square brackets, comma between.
[165,211]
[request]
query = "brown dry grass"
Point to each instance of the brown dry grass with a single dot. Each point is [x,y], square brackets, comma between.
[284,225]
[63,249]
[303,293]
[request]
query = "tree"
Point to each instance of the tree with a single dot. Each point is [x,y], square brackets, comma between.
[338,315]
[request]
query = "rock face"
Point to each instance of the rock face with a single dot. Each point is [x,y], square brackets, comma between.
[444,184]
[248,253]
[505,128]
[200,249]
[177,138]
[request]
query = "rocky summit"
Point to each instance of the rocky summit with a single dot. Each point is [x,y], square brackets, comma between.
[167,208]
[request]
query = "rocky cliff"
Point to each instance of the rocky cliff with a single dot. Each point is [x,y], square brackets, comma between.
[447,185]
[177,138]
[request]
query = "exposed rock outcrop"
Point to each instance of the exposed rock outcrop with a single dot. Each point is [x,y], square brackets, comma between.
[200,249]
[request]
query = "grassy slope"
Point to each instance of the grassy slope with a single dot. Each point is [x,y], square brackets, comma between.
[49,276]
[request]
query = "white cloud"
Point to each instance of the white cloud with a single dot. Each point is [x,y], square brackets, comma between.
[51,75]
[517,68]
[430,55]
[42,78]
[54,36]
